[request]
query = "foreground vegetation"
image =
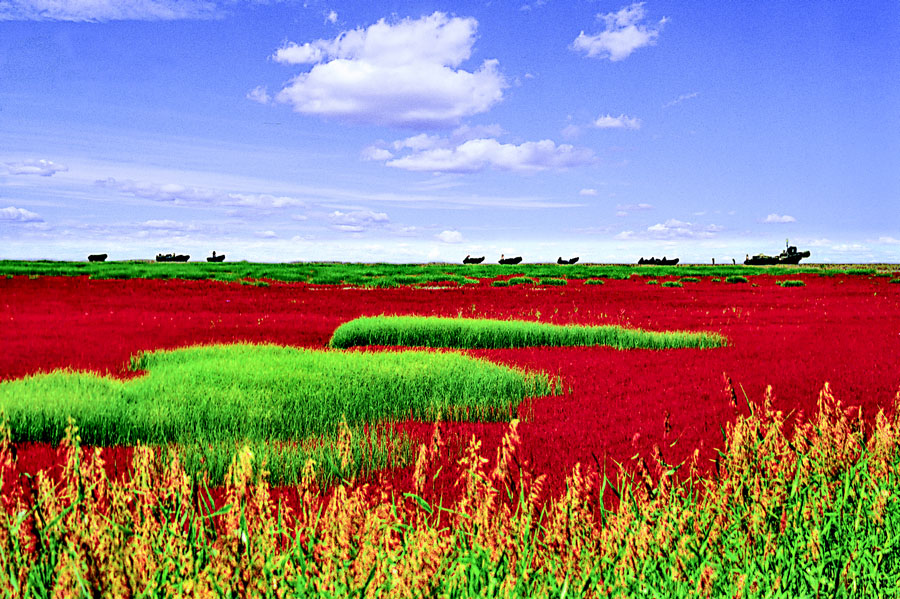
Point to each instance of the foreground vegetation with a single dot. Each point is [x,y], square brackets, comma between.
[430,331]
[395,275]
[287,403]
[793,509]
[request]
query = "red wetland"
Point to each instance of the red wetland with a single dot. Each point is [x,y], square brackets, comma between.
[616,404]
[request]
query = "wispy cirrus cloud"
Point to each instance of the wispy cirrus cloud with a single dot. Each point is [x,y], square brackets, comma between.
[108,10]
[626,209]
[41,168]
[624,32]
[185,194]
[406,73]
[357,221]
[681,99]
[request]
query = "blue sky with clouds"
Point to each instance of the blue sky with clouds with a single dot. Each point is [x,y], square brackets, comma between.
[418,131]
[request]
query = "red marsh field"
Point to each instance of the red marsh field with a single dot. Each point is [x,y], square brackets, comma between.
[843,329]
[766,463]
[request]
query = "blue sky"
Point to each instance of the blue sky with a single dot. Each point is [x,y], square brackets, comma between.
[425,131]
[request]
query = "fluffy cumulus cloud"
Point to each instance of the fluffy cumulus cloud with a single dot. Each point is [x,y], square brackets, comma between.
[779,218]
[431,153]
[405,73]
[450,236]
[107,10]
[43,168]
[19,215]
[617,122]
[623,33]
[357,221]
[184,194]
[588,191]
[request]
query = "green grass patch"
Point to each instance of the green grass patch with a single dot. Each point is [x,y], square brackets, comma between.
[553,281]
[262,394]
[715,280]
[673,284]
[894,281]
[736,279]
[653,282]
[792,283]
[690,280]
[593,281]
[463,333]
[520,281]
[499,283]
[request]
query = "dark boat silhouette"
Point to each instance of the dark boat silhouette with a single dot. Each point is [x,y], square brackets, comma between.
[468,260]
[97,257]
[216,258]
[172,257]
[515,260]
[789,255]
[569,261]
[659,261]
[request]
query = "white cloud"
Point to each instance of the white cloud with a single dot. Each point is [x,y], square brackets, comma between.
[779,218]
[617,122]
[677,229]
[467,132]
[450,236]
[19,215]
[478,154]
[849,247]
[402,74]
[376,153]
[267,234]
[623,34]
[357,221]
[259,94]
[889,240]
[43,168]
[183,194]
[626,209]
[331,17]
[106,10]
[570,132]
[419,142]
[680,99]
[588,192]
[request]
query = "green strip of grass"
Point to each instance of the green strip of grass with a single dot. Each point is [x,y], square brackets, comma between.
[262,393]
[792,283]
[419,331]
[389,275]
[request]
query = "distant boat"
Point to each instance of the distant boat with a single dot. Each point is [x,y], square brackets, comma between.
[468,260]
[515,260]
[659,261]
[216,258]
[172,257]
[789,255]
[97,257]
[569,261]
